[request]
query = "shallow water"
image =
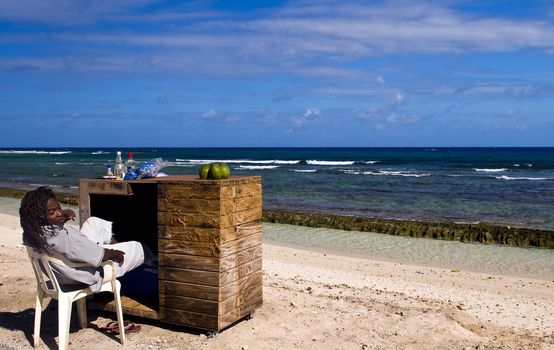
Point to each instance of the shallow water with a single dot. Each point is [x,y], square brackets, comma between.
[497,259]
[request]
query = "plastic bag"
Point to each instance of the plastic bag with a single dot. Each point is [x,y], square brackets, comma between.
[148,169]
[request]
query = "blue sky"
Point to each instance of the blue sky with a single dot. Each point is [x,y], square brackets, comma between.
[276,73]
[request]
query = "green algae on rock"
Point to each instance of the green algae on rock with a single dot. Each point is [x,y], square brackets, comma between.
[63,197]
[481,233]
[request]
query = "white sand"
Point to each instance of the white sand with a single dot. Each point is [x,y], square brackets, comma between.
[317,300]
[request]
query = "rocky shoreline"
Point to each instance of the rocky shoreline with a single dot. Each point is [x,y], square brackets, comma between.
[480,233]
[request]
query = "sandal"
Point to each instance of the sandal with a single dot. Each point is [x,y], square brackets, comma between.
[129,328]
[113,324]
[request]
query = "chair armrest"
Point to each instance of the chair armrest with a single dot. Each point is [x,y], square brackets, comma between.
[109,270]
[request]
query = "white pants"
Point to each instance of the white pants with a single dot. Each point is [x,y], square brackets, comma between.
[100,232]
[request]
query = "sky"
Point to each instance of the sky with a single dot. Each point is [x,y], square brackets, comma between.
[132,73]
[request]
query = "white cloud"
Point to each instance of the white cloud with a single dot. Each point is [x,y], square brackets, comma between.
[311,112]
[209,114]
[308,116]
[291,38]
[399,98]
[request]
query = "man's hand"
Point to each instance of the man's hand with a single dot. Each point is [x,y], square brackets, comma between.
[114,255]
[68,214]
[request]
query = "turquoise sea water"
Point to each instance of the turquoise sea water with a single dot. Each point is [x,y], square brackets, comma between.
[506,186]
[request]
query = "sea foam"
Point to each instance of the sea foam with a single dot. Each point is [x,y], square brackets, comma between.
[329,162]
[257,167]
[487,170]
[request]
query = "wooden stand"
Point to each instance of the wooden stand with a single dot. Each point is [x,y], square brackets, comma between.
[207,235]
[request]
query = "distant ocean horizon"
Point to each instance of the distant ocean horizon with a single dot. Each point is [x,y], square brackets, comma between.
[510,186]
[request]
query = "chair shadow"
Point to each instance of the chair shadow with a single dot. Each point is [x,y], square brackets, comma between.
[24,321]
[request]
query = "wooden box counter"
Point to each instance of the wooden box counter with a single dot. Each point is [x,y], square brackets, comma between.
[207,235]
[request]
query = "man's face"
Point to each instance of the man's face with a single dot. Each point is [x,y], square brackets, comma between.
[54,214]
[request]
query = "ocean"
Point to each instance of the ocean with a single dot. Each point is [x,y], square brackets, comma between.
[501,186]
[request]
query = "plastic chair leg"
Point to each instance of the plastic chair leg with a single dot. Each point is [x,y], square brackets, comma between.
[38,315]
[117,299]
[82,312]
[64,319]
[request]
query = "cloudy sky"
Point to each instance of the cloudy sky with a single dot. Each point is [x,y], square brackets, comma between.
[276,73]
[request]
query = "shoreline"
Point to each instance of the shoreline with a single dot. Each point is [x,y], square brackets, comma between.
[479,233]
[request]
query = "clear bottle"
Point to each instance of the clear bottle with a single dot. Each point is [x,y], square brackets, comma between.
[130,163]
[119,168]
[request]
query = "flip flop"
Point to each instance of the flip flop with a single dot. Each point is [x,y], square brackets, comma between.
[113,324]
[129,328]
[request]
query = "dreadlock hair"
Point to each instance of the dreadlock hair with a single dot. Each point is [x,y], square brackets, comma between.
[32,215]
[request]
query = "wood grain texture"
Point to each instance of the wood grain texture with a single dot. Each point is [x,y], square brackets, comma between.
[239,313]
[209,249]
[195,262]
[130,307]
[189,261]
[189,290]
[208,278]
[208,307]
[239,272]
[209,220]
[240,299]
[198,234]
[235,287]
[188,318]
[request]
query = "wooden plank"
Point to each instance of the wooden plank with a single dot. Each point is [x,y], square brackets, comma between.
[243,298]
[238,272]
[223,206]
[242,190]
[171,246]
[189,290]
[129,306]
[242,257]
[201,220]
[197,234]
[239,313]
[241,217]
[176,302]
[235,287]
[206,263]
[108,187]
[187,318]
[208,278]
[84,201]
[188,261]
[187,205]
[209,249]
[209,220]
[190,190]
[243,243]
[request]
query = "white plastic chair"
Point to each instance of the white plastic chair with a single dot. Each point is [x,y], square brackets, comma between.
[47,285]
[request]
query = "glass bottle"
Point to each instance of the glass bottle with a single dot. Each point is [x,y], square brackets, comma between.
[119,168]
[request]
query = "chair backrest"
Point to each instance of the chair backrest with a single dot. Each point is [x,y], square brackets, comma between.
[44,274]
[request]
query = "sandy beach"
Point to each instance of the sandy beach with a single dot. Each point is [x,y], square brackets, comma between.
[317,300]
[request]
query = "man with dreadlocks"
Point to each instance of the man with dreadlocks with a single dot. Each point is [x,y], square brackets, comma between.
[43,222]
